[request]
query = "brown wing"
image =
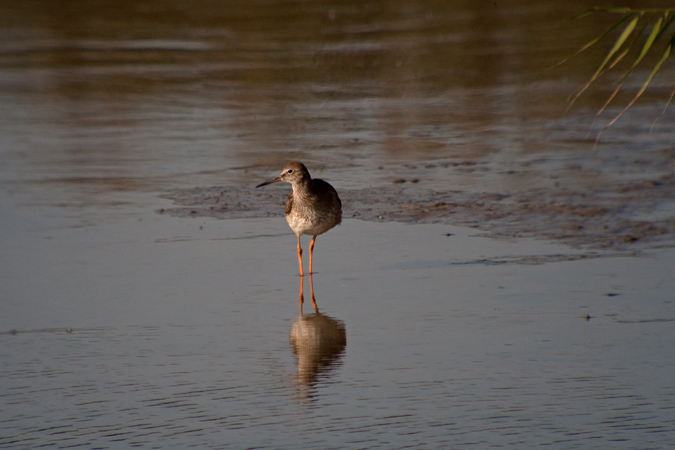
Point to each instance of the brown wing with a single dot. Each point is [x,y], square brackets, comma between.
[328,194]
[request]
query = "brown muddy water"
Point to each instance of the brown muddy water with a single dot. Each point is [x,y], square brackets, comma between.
[502,278]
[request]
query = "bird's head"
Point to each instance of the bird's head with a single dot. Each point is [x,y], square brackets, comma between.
[293,172]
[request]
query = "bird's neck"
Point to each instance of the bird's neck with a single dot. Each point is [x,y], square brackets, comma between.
[302,188]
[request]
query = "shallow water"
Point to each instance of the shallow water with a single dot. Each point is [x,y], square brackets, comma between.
[150,336]
[122,327]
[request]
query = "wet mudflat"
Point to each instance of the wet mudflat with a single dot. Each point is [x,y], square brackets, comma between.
[501,278]
[630,215]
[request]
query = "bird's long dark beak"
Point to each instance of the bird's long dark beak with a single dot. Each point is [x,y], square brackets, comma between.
[273,180]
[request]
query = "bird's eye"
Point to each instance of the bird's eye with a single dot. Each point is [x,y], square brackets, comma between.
[289,171]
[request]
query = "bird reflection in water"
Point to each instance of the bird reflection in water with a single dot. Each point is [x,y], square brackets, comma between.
[318,342]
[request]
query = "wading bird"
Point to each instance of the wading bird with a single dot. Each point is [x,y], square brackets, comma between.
[313,206]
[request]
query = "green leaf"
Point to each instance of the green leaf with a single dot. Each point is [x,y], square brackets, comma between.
[592,41]
[628,29]
[639,29]
[617,45]
[664,56]
[656,30]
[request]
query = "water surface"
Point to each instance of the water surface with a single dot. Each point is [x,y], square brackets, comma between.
[126,328]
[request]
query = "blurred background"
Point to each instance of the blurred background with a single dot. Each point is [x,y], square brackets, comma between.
[102,97]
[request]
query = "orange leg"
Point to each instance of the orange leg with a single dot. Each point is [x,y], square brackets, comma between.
[311,287]
[311,251]
[300,257]
[301,298]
